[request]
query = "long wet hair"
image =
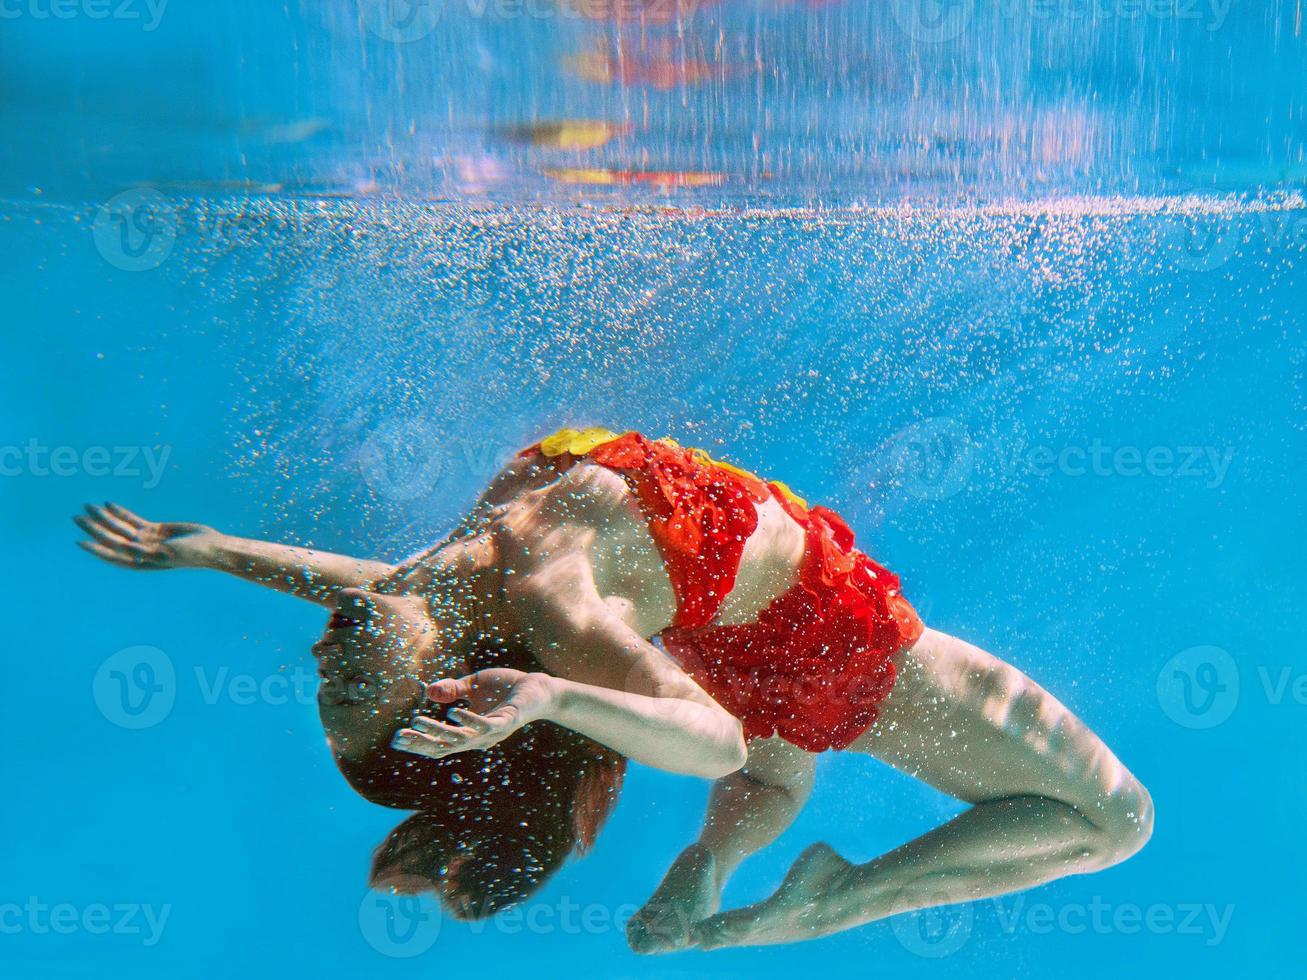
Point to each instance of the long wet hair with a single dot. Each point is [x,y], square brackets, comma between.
[492,826]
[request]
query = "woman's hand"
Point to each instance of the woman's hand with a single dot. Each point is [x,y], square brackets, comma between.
[502,700]
[122,538]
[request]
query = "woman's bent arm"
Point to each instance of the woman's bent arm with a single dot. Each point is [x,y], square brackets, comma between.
[609,682]
[671,734]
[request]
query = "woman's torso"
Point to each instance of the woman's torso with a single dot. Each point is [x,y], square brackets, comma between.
[604,515]
[763,601]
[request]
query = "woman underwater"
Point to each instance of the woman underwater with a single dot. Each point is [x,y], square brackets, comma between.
[529,629]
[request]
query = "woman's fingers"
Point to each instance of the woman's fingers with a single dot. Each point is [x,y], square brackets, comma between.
[451,689]
[434,739]
[115,556]
[414,742]
[470,719]
[127,551]
[469,730]
[115,524]
[440,730]
[120,537]
[433,746]
[101,533]
[107,554]
[123,514]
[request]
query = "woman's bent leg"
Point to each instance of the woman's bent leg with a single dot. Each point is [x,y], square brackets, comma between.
[1049,800]
[747,811]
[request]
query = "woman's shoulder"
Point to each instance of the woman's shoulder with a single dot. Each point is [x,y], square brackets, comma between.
[536,500]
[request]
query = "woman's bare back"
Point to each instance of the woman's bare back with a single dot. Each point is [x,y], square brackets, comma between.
[591,505]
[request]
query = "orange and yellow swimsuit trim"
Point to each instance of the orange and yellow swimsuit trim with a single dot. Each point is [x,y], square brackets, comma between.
[579,442]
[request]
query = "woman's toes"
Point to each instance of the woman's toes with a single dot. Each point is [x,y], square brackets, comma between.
[816,871]
[686,895]
[659,930]
[728,929]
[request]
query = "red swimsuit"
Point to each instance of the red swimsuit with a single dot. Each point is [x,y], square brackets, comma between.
[819,659]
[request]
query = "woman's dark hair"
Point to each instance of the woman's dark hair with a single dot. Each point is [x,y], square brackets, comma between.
[493,825]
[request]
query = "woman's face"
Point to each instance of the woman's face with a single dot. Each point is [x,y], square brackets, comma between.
[374,662]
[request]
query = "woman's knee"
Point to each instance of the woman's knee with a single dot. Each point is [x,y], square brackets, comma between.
[1125,822]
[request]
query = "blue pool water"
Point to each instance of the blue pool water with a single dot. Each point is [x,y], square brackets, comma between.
[1020,291]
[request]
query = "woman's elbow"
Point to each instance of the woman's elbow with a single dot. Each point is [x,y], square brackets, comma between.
[734,752]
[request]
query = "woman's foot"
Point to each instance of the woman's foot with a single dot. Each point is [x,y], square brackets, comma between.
[798,910]
[687,895]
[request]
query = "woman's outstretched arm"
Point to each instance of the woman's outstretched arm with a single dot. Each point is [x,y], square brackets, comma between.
[120,537]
